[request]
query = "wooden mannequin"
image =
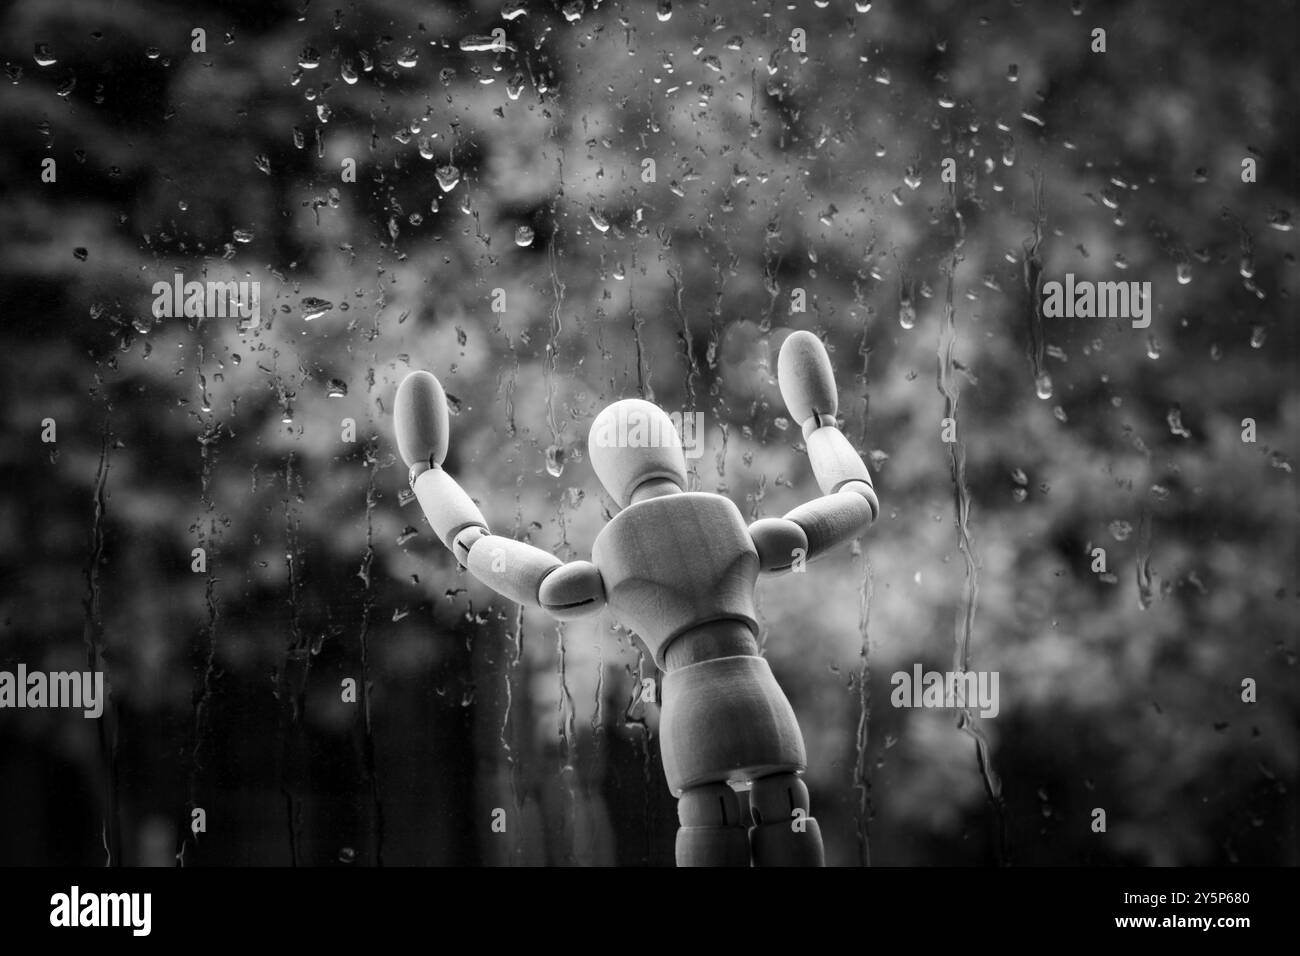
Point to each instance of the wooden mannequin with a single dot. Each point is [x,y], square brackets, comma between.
[679,569]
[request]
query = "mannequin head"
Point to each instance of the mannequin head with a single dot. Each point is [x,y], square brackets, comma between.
[636,451]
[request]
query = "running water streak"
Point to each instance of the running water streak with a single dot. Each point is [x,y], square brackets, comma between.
[966,721]
[1033,273]
[862,768]
[207,528]
[553,343]
[692,365]
[367,613]
[93,636]
[864,810]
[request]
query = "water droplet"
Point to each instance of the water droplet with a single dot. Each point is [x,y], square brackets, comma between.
[572,11]
[323,112]
[515,86]
[347,854]
[1257,336]
[524,236]
[243,235]
[1043,386]
[448,176]
[555,461]
[348,72]
[1280,219]
[81,253]
[44,55]
[1184,273]
[513,9]
[1013,73]
[408,58]
[1174,417]
[1120,530]
[1153,348]
[263,163]
[882,76]
[906,314]
[664,11]
[598,220]
[337,388]
[478,43]
[309,59]
[1201,175]
[314,308]
[65,88]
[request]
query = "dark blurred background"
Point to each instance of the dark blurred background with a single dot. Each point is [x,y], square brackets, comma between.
[518,177]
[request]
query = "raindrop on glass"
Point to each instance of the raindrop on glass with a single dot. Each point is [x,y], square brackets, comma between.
[477,43]
[448,176]
[1280,219]
[1174,417]
[314,308]
[555,461]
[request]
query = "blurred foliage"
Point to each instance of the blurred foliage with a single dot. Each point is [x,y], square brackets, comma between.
[775,171]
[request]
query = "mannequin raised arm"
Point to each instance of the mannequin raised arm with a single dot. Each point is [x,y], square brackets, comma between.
[523,573]
[848,504]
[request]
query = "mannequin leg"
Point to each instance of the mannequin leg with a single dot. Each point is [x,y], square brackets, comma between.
[712,832]
[783,833]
